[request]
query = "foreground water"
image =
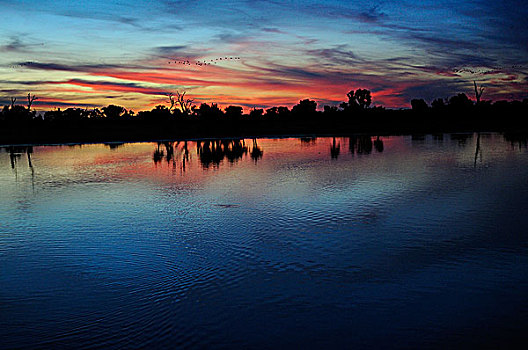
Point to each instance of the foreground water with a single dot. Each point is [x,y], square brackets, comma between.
[417,242]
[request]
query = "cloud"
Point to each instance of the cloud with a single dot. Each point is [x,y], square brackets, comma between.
[338,55]
[232,38]
[432,90]
[170,50]
[300,49]
[50,103]
[74,67]
[112,86]
[371,15]
[359,13]
[17,45]
[273,30]
[13,45]
[501,22]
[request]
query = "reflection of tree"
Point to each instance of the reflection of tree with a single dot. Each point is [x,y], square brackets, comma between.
[256,151]
[158,154]
[114,145]
[15,153]
[215,151]
[185,155]
[172,152]
[335,149]
[461,138]
[378,144]
[308,140]
[235,150]
[477,150]
[419,138]
[360,144]
[519,139]
[210,152]
[169,148]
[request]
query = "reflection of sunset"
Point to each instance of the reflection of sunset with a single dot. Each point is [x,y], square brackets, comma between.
[153,244]
[189,160]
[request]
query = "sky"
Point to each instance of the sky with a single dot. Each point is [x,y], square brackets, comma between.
[95,53]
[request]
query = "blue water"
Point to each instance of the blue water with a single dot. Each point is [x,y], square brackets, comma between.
[325,243]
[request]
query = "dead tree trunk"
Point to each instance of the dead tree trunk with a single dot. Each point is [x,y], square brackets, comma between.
[30,100]
[171,101]
[185,104]
[478,91]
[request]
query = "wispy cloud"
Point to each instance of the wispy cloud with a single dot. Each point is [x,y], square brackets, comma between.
[120,51]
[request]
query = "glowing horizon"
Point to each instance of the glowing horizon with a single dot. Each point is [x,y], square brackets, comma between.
[100,53]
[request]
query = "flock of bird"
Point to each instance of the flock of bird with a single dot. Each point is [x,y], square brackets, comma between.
[205,62]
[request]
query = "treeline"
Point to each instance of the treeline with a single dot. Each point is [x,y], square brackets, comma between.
[183,110]
[182,118]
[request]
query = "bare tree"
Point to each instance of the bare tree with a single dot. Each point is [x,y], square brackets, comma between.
[185,104]
[478,91]
[171,101]
[13,100]
[30,100]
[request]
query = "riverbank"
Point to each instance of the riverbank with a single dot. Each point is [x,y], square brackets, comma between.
[138,131]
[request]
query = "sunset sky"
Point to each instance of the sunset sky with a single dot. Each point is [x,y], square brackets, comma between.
[94,53]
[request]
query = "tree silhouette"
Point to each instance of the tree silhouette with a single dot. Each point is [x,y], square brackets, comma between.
[360,98]
[233,113]
[185,103]
[460,102]
[256,113]
[113,111]
[209,112]
[283,112]
[330,110]
[438,104]
[272,113]
[170,95]
[419,105]
[30,100]
[20,124]
[478,92]
[160,113]
[305,108]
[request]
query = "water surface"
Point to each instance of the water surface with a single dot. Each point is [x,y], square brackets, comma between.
[410,241]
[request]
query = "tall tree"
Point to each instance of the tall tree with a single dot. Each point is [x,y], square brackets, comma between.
[361,98]
[185,103]
[30,100]
[478,91]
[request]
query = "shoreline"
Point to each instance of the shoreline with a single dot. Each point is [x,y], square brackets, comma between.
[93,134]
[259,136]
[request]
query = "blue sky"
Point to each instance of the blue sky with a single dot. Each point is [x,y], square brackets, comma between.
[93,53]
